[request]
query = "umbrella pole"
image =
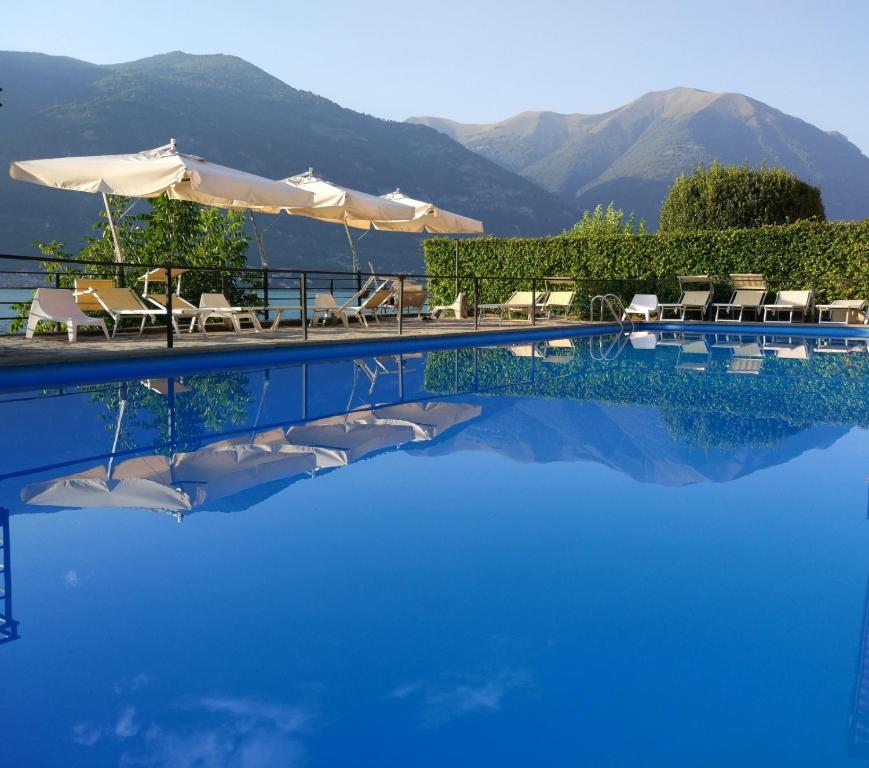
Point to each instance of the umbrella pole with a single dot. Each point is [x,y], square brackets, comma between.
[260,246]
[116,242]
[121,409]
[355,259]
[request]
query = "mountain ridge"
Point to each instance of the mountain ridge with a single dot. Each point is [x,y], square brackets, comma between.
[231,112]
[632,153]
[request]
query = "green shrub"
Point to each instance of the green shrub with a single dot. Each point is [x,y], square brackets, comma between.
[738,196]
[830,258]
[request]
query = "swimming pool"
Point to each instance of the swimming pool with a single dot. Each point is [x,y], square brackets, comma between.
[642,550]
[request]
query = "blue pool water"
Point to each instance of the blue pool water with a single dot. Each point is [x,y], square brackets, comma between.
[647,551]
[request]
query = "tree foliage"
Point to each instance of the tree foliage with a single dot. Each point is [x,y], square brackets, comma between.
[170,231]
[738,196]
[606,221]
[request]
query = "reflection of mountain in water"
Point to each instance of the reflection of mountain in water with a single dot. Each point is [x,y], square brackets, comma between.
[629,439]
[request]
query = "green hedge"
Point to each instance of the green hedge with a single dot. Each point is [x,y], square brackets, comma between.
[830,258]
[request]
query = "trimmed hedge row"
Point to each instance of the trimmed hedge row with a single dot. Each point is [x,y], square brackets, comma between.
[830,258]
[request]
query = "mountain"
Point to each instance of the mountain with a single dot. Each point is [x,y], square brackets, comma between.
[632,154]
[225,109]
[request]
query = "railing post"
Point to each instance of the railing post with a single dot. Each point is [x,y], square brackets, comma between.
[57,279]
[533,317]
[265,291]
[170,330]
[303,295]
[476,302]
[400,304]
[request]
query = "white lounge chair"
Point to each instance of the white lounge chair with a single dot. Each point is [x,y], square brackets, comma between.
[645,304]
[644,340]
[459,308]
[325,306]
[57,305]
[221,308]
[118,303]
[749,292]
[841,311]
[691,300]
[790,303]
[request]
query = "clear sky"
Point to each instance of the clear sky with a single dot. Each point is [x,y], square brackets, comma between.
[481,61]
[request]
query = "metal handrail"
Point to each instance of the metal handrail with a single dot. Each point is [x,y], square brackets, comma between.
[618,313]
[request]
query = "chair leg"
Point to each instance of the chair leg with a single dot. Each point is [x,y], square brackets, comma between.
[71,330]
[32,322]
[105,330]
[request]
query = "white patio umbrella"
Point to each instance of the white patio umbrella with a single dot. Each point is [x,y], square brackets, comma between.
[155,172]
[427,218]
[341,205]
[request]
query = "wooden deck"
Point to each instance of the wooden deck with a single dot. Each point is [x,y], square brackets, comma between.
[48,348]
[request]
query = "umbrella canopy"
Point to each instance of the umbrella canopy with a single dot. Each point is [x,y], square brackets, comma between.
[337,442]
[144,482]
[341,205]
[163,170]
[427,218]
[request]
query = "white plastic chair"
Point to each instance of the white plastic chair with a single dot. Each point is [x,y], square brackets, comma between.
[645,304]
[57,305]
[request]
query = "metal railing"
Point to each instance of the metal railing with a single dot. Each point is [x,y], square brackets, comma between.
[265,283]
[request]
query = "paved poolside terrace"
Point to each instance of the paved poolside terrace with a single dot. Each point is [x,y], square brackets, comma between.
[54,348]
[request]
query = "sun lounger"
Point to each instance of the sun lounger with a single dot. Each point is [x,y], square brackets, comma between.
[556,301]
[57,305]
[645,304]
[519,301]
[790,303]
[841,311]
[221,308]
[118,303]
[691,300]
[370,305]
[325,307]
[413,298]
[749,292]
[181,310]
[559,351]
[459,308]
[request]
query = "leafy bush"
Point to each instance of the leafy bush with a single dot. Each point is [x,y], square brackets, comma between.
[830,258]
[738,196]
[606,221]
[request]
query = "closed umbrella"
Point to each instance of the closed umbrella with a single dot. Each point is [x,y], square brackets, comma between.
[164,170]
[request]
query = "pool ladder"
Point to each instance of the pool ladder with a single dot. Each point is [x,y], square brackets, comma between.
[614,304]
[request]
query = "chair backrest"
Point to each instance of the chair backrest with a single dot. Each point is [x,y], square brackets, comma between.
[57,302]
[324,301]
[559,299]
[795,298]
[119,300]
[520,298]
[740,281]
[213,301]
[363,290]
[748,298]
[693,279]
[848,303]
[87,301]
[696,298]
[645,300]
[378,297]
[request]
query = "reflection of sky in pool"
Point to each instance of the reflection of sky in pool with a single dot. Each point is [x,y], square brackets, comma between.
[503,556]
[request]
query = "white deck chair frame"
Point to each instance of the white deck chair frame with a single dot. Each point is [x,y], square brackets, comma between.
[57,305]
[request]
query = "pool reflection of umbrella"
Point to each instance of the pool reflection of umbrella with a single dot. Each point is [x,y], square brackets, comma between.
[143,482]
[340,440]
[427,420]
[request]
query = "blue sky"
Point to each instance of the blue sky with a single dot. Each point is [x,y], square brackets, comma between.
[484,61]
